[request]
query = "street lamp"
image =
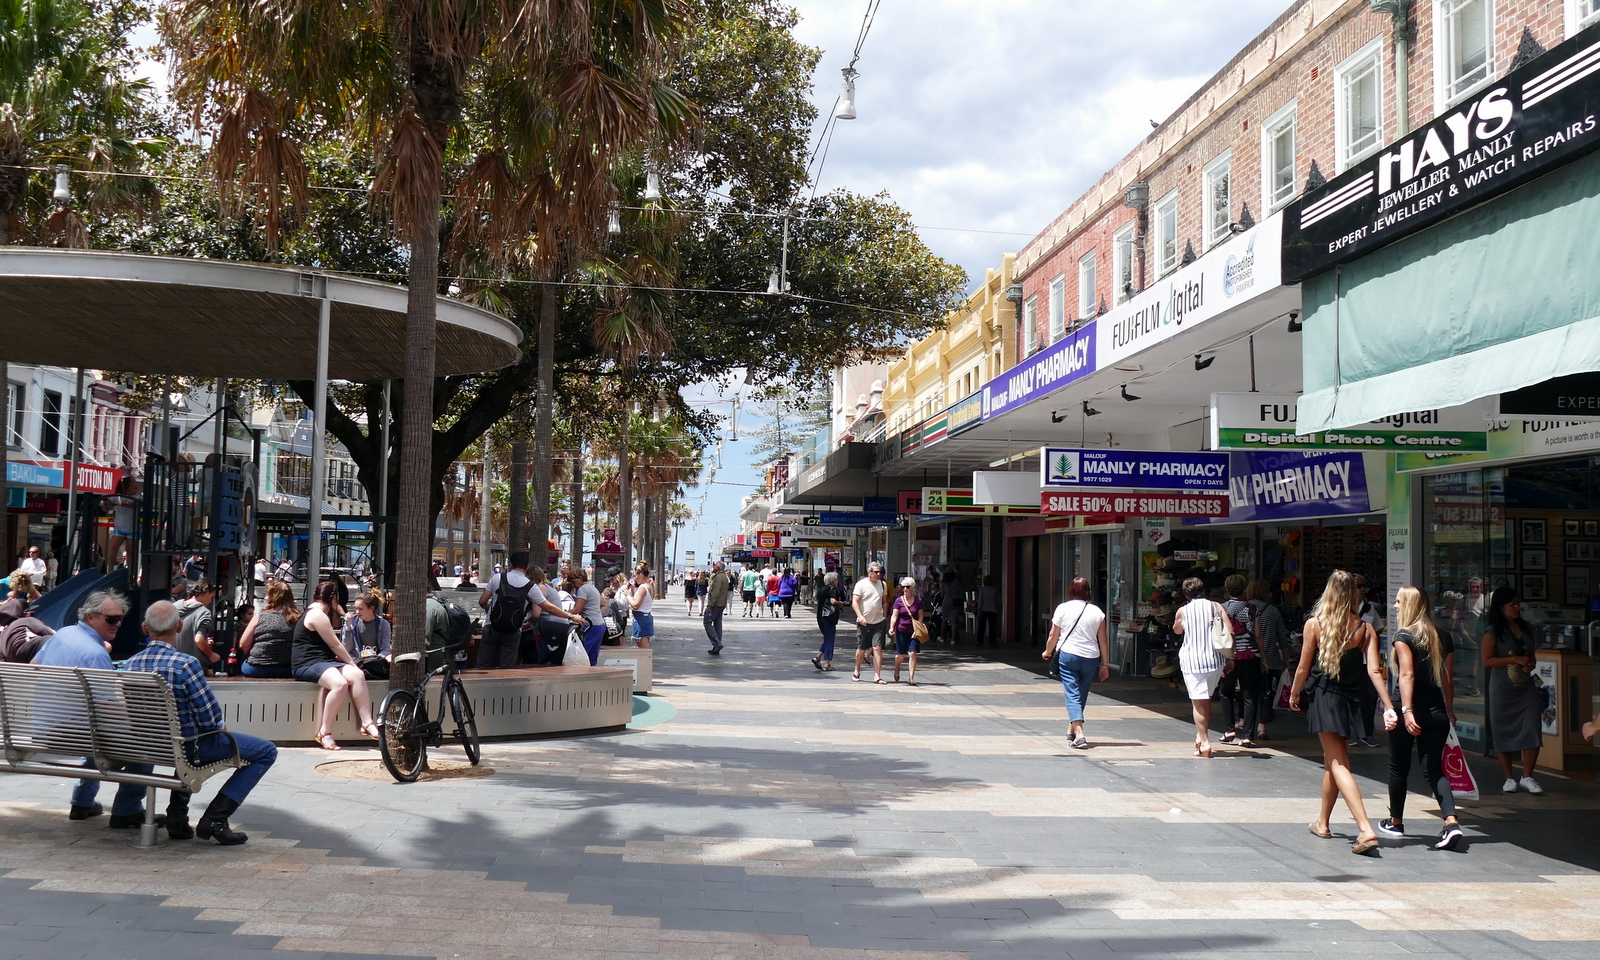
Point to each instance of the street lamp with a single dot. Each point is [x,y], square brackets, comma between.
[63,191]
[847,95]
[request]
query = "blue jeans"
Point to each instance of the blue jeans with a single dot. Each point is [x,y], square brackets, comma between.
[1077,673]
[257,753]
[713,621]
[130,796]
[830,629]
[251,670]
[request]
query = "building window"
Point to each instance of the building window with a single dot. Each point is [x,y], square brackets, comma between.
[50,425]
[1582,13]
[1167,233]
[74,419]
[1358,103]
[1030,326]
[1122,255]
[17,403]
[1277,159]
[1219,198]
[1086,286]
[1464,53]
[1058,308]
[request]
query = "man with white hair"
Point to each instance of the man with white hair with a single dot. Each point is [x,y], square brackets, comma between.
[200,718]
[716,603]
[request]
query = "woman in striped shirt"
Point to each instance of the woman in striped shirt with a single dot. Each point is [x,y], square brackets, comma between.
[1201,662]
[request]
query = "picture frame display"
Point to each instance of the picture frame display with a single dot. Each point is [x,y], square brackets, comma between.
[1533,532]
[1535,560]
[1581,551]
[1577,591]
[1572,528]
[1534,587]
[1591,528]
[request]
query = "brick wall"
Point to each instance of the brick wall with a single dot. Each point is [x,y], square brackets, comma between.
[1294,59]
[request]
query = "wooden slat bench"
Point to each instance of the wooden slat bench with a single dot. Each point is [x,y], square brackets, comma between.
[51,717]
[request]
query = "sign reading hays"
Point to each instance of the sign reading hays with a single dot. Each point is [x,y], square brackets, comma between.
[1207,505]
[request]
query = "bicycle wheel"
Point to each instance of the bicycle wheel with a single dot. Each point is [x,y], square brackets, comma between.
[466,723]
[403,751]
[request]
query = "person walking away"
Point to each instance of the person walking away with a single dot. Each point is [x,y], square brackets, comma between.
[788,586]
[950,606]
[1372,615]
[773,582]
[641,598]
[718,585]
[870,601]
[1339,655]
[1272,637]
[318,656]
[1082,650]
[807,592]
[989,612]
[267,643]
[1202,664]
[702,587]
[1423,663]
[829,599]
[506,603]
[691,592]
[1247,665]
[749,581]
[903,619]
[205,735]
[1516,699]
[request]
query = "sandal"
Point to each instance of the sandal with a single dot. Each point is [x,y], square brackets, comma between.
[881,682]
[326,742]
[816,662]
[1323,834]
[1249,744]
[911,683]
[1229,737]
[1366,848]
[857,676]
[370,729]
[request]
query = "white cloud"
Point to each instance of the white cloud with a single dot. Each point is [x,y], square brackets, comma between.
[996,114]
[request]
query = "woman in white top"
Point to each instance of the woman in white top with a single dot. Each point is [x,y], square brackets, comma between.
[641,597]
[1078,639]
[1202,664]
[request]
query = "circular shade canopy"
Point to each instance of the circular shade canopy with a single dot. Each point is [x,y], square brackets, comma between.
[213,318]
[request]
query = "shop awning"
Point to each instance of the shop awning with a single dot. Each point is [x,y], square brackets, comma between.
[1502,297]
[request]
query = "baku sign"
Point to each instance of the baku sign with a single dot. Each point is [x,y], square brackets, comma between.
[1208,506]
[1266,421]
[1133,470]
[1527,123]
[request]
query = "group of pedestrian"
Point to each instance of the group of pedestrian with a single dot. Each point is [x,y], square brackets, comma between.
[528,617]
[771,588]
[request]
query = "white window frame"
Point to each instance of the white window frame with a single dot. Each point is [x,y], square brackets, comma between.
[1123,262]
[1058,307]
[1284,118]
[1447,90]
[1088,284]
[1214,232]
[1030,325]
[1580,14]
[17,406]
[1368,57]
[1164,264]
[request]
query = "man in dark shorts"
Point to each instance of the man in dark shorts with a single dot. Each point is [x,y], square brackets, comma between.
[870,601]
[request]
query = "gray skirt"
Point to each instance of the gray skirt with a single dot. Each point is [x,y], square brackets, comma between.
[1514,713]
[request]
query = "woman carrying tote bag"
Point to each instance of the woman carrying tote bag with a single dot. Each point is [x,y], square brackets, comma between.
[1206,654]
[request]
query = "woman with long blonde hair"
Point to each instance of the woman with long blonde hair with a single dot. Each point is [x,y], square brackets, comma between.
[1332,673]
[1423,662]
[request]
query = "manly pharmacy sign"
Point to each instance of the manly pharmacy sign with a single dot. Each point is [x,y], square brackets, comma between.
[1526,124]
[1043,373]
[1133,470]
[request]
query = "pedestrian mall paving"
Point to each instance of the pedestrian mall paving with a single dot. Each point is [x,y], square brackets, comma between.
[784,812]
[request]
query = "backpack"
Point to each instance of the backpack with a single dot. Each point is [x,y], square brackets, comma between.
[509,606]
[459,632]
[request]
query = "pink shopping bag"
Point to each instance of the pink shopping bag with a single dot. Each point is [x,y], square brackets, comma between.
[1455,768]
[1285,685]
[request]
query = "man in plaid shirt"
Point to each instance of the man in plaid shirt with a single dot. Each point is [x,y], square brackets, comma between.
[198,715]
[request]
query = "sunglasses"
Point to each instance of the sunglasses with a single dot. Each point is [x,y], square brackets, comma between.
[112,618]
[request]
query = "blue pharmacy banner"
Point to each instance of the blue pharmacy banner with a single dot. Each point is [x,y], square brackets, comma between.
[1133,469]
[1296,485]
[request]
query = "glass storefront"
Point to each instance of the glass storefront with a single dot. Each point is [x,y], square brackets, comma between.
[1534,527]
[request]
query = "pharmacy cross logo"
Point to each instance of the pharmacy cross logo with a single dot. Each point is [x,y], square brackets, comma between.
[1064,468]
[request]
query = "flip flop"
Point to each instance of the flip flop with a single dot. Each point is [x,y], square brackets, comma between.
[856,677]
[881,682]
[911,683]
[816,662]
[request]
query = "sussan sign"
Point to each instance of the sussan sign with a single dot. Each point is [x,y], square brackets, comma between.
[1524,125]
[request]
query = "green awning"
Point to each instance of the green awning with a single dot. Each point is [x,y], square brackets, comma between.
[1501,297]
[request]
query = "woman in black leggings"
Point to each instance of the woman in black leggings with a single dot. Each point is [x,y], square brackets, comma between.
[1424,660]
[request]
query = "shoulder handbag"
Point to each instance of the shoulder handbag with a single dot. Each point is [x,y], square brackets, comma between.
[919,631]
[1221,631]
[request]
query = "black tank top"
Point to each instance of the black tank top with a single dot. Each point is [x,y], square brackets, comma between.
[309,647]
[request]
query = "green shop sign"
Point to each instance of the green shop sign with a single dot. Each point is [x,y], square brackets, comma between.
[1513,439]
[1266,421]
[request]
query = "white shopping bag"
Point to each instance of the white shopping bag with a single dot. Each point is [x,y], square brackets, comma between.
[1456,770]
[576,655]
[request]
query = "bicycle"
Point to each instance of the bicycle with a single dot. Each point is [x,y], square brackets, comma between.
[404,730]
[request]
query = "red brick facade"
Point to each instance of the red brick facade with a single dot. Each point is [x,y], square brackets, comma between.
[1295,59]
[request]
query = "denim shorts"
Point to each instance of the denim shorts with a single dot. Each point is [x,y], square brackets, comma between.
[644,625]
[312,672]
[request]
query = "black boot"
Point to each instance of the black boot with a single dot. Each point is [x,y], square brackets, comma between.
[214,823]
[178,816]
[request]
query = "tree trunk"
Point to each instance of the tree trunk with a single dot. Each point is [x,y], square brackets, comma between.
[647,534]
[543,416]
[519,491]
[625,496]
[449,524]
[416,431]
[575,509]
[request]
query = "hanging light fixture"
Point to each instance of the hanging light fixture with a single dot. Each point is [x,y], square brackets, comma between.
[63,191]
[613,218]
[847,96]
[652,187]
[774,283]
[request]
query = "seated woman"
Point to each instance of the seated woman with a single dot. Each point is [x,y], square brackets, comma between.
[320,657]
[366,632]
[268,640]
[22,588]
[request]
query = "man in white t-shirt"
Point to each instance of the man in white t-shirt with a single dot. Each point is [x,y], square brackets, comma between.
[34,566]
[870,601]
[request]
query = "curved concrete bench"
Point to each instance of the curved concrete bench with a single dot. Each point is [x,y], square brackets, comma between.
[509,704]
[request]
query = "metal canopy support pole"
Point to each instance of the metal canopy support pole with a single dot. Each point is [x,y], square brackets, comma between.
[485,564]
[319,425]
[219,442]
[380,530]
[73,556]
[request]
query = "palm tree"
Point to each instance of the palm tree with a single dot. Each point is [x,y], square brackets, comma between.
[65,97]
[546,96]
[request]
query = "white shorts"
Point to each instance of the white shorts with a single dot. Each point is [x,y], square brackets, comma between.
[1202,685]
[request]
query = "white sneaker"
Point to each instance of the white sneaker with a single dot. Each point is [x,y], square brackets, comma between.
[1531,785]
[1510,786]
